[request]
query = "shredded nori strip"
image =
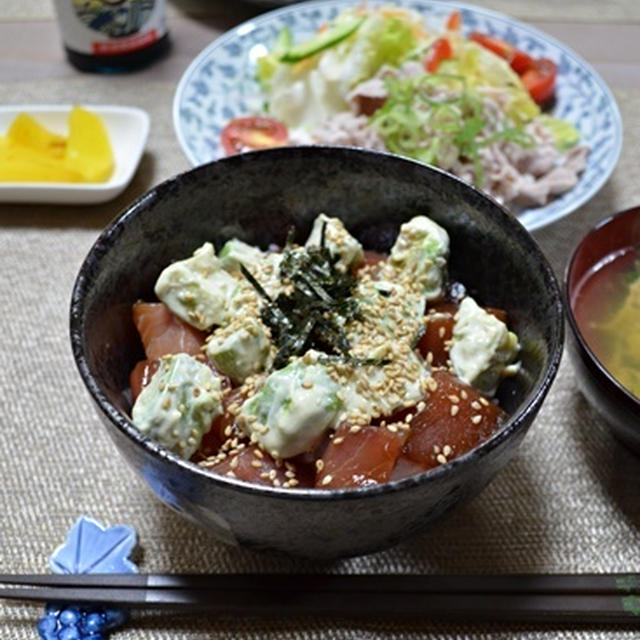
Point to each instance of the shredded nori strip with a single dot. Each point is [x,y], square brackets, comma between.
[315,307]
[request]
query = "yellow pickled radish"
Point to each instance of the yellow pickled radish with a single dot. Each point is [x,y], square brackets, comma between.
[88,149]
[28,132]
[23,164]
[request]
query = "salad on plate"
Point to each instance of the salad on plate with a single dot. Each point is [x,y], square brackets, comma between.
[381,78]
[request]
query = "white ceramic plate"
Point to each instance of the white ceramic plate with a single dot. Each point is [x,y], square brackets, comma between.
[220,84]
[128,129]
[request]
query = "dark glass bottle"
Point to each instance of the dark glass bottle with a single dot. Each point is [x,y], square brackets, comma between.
[113,36]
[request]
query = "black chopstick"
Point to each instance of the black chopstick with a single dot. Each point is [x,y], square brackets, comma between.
[585,583]
[600,599]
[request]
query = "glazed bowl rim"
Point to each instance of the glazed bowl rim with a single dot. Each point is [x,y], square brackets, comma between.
[102,245]
[568,290]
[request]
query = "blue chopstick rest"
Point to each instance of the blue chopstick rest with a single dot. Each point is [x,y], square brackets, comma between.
[89,548]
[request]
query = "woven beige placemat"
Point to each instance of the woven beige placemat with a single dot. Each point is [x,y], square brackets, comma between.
[569,501]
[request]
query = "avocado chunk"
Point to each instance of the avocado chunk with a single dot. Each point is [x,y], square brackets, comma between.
[263,265]
[422,248]
[235,252]
[292,409]
[328,38]
[483,349]
[240,349]
[179,404]
[198,290]
[338,240]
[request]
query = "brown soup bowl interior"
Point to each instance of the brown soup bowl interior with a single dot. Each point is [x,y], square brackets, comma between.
[617,405]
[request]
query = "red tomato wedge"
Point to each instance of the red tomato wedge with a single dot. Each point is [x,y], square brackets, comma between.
[497,45]
[520,61]
[454,21]
[163,333]
[247,134]
[359,459]
[517,59]
[440,50]
[540,80]
[440,430]
[141,375]
[538,75]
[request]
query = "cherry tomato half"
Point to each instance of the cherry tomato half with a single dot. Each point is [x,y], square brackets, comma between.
[258,132]
[440,50]
[540,81]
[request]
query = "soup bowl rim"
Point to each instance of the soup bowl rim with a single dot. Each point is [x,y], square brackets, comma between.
[570,290]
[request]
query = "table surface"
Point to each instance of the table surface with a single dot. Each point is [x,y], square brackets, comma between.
[568,502]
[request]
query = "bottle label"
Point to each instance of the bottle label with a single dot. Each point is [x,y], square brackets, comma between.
[110,27]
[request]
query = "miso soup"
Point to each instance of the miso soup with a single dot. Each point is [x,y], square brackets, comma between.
[606,305]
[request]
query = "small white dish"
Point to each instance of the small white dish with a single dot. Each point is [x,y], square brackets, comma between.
[128,130]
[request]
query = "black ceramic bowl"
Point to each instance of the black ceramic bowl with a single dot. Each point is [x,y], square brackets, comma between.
[257,197]
[619,407]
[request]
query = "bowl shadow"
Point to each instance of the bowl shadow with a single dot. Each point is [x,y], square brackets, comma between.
[611,463]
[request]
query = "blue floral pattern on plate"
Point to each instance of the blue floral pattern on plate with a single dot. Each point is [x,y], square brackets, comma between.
[89,548]
[220,84]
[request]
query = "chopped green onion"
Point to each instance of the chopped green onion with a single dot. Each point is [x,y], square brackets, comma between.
[432,116]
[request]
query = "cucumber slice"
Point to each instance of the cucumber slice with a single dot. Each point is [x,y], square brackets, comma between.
[283,41]
[323,40]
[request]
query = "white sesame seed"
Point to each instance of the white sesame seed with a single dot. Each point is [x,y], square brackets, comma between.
[476,419]
[326,480]
[454,410]
[447,450]
[441,459]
